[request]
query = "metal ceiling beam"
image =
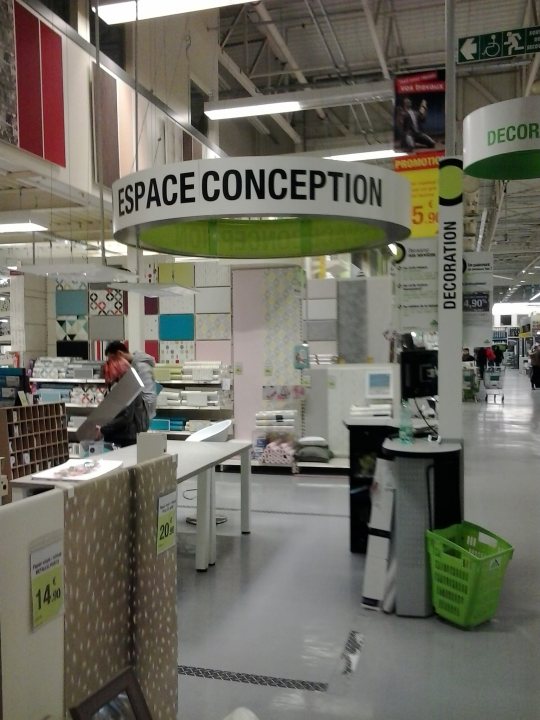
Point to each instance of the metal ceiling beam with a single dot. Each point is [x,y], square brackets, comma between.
[375,38]
[233,69]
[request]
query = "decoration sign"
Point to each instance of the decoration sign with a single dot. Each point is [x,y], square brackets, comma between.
[500,44]
[166,522]
[502,141]
[47,582]
[283,206]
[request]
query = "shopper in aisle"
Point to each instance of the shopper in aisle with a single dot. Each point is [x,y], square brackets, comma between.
[133,419]
[143,364]
[466,355]
[534,359]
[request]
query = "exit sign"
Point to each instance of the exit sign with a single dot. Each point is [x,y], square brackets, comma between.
[497,45]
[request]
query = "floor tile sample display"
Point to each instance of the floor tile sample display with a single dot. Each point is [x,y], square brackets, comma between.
[107,301]
[174,304]
[71,302]
[176,351]
[213,326]
[106,327]
[72,328]
[176,327]
[213,300]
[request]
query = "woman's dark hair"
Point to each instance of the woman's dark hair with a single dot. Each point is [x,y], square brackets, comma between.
[115,346]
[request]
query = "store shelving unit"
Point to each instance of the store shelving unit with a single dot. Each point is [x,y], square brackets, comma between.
[33,438]
[5,316]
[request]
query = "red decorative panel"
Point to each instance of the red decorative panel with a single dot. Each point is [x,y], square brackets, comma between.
[28,81]
[152,348]
[52,88]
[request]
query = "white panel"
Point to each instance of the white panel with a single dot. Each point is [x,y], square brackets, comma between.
[326,288]
[28,655]
[212,274]
[213,300]
[170,305]
[322,309]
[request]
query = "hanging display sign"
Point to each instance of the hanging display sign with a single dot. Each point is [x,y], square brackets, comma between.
[419,112]
[261,207]
[422,171]
[477,298]
[415,286]
[502,141]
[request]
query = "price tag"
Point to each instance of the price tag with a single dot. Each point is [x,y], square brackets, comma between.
[47,583]
[166,522]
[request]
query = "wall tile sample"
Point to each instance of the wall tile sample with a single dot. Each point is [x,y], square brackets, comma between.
[176,327]
[179,273]
[322,288]
[352,320]
[72,328]
[71,302]
[174,304]
[213,327]
[213,300]
[321,330]
[107,302]
[151,327]
[176,351]
[214,350]
[152,348]
[151,306]
[212,274]
[72,349]
[71,284]
[322,309]
[108,327]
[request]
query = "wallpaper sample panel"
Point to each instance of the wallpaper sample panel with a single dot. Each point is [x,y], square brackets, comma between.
[283,291]
[212,274]
[213,327]
[152,348]
[8,81]
[151,306]
[321,330]
[176,351]
[97,584]
[106,301]
[105,112]
[77,348]
[352,320]
[155,641]
[213,300]
[214,350]
[173,304]
[71,302]
[106,327]
[176,327]
[52,92]
[72,327]
[150,327]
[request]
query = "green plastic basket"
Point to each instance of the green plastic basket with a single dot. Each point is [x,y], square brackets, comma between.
[467,569]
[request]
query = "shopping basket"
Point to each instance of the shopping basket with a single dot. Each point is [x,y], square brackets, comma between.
[467,568]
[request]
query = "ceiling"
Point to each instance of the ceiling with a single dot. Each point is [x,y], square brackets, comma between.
[277,46]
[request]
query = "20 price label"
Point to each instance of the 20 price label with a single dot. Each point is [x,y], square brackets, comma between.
[46,583]
[166,522]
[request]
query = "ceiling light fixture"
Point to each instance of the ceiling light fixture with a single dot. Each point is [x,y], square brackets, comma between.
[301,100]
[121,12]
[20,227]
[366,155]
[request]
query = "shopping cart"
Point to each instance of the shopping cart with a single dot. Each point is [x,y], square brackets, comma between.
[494,383]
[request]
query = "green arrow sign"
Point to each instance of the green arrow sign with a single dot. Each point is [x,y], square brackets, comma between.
[497,45]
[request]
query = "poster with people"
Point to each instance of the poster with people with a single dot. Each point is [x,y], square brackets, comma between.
[419,112]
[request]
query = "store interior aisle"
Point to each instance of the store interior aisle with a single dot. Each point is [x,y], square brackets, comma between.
[277,624]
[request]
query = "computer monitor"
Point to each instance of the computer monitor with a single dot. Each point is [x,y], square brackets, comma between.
[379,385]
[418,373]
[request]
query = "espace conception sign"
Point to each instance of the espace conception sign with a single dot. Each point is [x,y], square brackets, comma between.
[247,189]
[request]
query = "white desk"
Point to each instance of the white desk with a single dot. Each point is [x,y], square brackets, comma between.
[193,460]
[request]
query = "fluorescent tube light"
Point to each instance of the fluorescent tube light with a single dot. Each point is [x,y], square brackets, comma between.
[17,227]
[534,297]
[503,277]
[249,111]
[366,155]
[122,12]
[337,96]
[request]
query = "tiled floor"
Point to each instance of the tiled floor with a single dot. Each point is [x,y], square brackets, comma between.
[277,625]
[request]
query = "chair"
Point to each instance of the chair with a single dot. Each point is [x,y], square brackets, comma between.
[217,432]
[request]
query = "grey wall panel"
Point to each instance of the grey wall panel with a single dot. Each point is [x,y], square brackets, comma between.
[106,327]
[352,320]
[320,330]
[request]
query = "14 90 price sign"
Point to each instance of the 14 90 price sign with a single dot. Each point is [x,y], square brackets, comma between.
[476,302]
[166,522]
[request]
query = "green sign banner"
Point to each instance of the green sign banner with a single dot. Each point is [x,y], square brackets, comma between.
[502,141]
[497,45]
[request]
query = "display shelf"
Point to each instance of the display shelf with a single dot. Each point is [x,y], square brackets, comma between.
[76,406]
[69,381]
[198,383]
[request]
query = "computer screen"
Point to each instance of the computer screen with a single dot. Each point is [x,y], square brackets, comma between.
[379,385]
[419,373]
